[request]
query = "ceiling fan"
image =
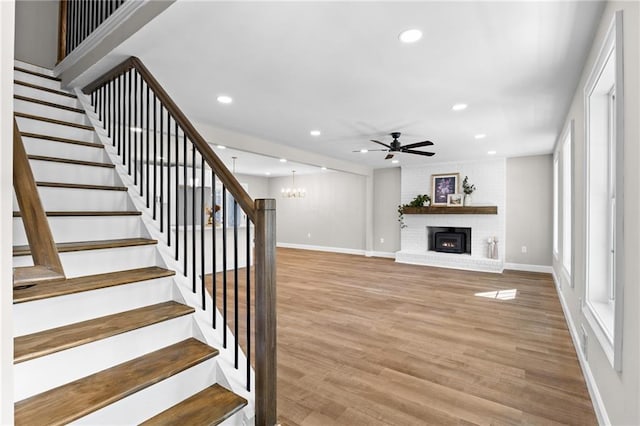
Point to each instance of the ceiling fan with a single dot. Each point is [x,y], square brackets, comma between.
[395,146]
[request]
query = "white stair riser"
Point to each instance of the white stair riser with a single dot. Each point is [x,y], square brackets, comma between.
[31,317]
[89,262]
[50,129]
[53,171]
[44,373]
[34,79]
[40,110]
[153,400]
[49,148]
[31,92]
[70,199]
[85,228]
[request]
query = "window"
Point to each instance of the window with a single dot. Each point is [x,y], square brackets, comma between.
[604,207]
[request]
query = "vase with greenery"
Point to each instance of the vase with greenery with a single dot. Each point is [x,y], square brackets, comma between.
[421,200]
[468,189]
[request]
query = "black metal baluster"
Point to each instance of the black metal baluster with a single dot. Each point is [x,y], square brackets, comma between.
[161,168]
[224,266]
[214,261]
[193,218]
[120,114]
[140,125]
[169,182]
[202,226]
[128,125]
[184,210]
[235,281]
[148,159]
[134,129]
[184,201]
[155,155]
[248,302]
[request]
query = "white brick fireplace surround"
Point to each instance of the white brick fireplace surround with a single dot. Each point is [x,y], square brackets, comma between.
[489,178]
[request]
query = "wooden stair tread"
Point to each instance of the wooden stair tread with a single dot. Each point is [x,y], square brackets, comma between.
[81,186]
[88,213]
[73,400]
[70,161]
[49,104]
[53,121]
[88,282]
[58,339]
[36,73]
[89,245]
[209,407]
[59,139]
[44,89]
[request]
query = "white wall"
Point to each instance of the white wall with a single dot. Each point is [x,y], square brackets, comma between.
[529,210]
[6,207]
[332,215]
[386,198]
[36,38]
[257,186]
[617,395]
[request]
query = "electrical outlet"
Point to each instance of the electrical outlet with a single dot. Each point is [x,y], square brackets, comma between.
[381,240]
[524,249]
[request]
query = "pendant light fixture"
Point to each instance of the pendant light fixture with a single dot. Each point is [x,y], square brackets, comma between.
[293,191]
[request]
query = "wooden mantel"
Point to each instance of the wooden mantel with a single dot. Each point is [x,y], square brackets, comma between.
[451,210]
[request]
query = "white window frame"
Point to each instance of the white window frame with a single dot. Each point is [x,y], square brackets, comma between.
[596,312]
[566,207]
[556,208]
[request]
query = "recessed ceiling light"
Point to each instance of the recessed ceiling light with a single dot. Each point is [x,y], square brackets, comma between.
[395,161]
[283,160]
[459,107]
[136,129]
[491,152]
[268,173]
[410,36]
[480,136]
[364,151]
[315,133]
[323,168]
[224,99]
[222,147]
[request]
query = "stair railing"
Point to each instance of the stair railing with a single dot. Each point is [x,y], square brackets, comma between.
[196,201]
[78,19]
[46,262]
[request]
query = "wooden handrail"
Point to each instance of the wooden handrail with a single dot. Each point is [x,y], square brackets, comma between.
[210,157]
[44,252]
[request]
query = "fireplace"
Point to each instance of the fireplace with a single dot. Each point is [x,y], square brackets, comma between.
[449,240]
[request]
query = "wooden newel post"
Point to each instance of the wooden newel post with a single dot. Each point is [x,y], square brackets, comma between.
[265,267]
[62,30]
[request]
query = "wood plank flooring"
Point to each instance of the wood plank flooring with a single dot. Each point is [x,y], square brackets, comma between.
[366,341]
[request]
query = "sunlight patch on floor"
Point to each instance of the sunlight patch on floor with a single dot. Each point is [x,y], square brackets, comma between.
[499,294]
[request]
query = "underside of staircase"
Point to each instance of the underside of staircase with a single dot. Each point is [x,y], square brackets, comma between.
[114,342]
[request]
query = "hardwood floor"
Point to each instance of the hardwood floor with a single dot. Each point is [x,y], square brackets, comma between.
[366,341]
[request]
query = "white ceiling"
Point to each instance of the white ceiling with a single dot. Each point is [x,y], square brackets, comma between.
[339,67]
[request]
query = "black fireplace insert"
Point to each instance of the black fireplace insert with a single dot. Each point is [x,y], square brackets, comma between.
[450,242]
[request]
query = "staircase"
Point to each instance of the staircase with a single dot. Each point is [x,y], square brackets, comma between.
[114,342]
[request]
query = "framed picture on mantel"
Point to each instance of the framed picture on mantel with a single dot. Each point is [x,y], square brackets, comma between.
[441,186]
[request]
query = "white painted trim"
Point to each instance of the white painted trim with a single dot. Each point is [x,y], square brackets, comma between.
[32,67]
[385,254]
[322,248]
[110,26]
[592,387]
[529,268]
[7,34]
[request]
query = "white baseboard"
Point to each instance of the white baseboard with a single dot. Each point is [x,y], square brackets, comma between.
[322,248]
[529,268]
[592,387]
[385,254]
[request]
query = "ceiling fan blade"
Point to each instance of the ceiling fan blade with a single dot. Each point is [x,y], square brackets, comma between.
[383,144]
[413,151]
[418,144]
[371,150]
[388,157]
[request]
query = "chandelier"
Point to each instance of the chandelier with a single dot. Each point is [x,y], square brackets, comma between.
[293,192]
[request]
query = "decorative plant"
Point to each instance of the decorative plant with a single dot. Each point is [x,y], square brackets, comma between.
[466,187]
[420,201]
